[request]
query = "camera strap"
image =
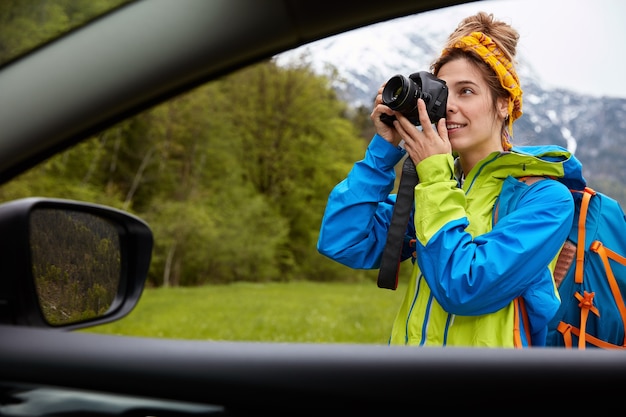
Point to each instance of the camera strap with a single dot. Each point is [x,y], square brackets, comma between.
[390,261]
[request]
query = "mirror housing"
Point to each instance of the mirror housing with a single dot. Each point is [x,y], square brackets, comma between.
[69,264]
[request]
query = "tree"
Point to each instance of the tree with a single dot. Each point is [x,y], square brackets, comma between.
[296,145]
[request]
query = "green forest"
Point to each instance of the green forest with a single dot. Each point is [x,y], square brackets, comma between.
[232,177]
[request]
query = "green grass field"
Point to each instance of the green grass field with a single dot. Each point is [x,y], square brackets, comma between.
[292,312]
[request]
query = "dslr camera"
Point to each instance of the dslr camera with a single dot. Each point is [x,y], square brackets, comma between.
[401,94]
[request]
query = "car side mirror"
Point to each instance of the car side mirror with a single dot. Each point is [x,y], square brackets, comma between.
[69,264]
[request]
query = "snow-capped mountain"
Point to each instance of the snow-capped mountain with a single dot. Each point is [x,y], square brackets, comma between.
[594,128]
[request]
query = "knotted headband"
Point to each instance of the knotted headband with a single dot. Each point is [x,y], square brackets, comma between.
[487,49]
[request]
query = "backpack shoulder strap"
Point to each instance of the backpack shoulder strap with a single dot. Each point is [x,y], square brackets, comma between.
[530,180]
[587,193]
[520,313]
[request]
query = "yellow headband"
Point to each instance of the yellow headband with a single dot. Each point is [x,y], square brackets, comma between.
[487,49]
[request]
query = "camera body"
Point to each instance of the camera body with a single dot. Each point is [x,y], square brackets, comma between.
[401,94]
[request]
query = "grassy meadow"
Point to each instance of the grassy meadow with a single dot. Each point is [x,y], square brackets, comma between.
[273,312]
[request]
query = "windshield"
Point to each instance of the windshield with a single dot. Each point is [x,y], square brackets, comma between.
[234,176]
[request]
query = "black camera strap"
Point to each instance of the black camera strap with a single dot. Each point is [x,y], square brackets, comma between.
[390,262]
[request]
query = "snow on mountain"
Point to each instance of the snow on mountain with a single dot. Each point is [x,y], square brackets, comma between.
[367,57]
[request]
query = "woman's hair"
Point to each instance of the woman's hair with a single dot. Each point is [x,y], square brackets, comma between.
[502,33]
[504,36]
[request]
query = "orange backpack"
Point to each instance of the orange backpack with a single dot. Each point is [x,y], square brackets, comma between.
[590,275]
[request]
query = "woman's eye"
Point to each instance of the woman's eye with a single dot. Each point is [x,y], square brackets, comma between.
[465,91]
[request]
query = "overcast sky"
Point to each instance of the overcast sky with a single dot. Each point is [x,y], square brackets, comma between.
[575,44]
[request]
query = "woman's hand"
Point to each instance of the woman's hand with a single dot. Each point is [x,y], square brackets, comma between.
[389,133]
[420,144]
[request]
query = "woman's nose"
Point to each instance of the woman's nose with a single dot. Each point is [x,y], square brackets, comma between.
[451,106]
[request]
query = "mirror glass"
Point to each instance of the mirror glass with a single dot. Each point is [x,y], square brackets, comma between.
[76,264]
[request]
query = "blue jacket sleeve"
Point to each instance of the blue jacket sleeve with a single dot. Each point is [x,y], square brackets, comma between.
[472,276]
[359,208]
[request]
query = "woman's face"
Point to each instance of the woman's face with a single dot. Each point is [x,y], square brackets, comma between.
[473,123]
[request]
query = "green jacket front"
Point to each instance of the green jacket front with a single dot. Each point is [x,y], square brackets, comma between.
[468,271]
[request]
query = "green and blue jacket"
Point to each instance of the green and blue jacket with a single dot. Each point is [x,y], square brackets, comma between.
[467,270]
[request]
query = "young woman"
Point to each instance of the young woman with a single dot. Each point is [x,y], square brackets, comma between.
[474,283]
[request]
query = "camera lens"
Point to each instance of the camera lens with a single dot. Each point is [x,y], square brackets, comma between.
[399,94]
[396,93]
